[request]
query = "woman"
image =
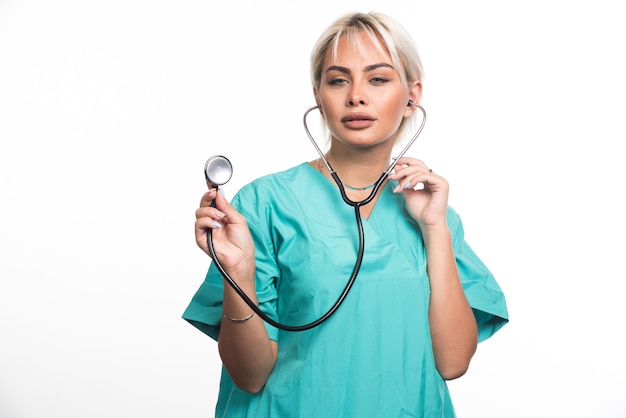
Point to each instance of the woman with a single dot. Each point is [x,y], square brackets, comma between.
[422,299]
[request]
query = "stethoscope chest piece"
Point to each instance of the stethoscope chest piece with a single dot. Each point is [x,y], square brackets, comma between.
[218,170]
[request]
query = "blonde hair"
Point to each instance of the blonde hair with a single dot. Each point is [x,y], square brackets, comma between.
[388,34]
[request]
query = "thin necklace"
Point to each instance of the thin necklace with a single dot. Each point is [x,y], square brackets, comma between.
[319,168]
[360,188]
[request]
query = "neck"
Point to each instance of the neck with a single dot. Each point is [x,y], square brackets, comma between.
[358,172]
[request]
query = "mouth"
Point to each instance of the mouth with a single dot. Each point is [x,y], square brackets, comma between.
[357,120]
[356,117]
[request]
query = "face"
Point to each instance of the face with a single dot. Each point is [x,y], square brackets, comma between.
[362,96]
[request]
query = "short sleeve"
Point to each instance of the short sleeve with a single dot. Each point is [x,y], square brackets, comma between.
[481,289]
[205,309]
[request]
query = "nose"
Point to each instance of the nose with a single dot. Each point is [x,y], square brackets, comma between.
[356,97]
[353,102]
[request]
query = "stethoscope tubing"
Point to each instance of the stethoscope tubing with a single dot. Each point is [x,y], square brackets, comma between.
[382,177]
[356,204]
[262,314]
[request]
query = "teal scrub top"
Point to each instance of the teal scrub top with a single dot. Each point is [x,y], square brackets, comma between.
[373,357]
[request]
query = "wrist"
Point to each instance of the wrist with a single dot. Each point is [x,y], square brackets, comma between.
[435,233]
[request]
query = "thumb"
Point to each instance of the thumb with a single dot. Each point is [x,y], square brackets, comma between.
[224,206]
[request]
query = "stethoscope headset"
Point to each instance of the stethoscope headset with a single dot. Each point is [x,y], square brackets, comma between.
[218,170]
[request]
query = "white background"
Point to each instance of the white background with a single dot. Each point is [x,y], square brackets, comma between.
[108,111]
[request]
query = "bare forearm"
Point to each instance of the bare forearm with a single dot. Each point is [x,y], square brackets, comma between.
[453,326]
[245,348]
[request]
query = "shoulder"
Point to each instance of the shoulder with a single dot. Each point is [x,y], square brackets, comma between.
[273,181]
[272,189]
[455,225]
[454,219]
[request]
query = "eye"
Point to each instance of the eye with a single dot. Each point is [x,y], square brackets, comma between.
[337,81]
[379,80]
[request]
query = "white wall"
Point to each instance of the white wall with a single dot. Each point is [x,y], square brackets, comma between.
[108,111]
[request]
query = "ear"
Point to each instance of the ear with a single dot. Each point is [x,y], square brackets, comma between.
[415,94]
[415,91]
[318,102]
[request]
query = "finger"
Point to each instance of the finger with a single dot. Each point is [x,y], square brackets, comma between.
[412,164]
[201,227]
[417,181]
[208,198]
[217,217]
[208,218]
[207,222]
[405,173]
[409,161]
[230,213]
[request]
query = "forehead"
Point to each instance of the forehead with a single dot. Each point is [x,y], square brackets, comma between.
[357,48]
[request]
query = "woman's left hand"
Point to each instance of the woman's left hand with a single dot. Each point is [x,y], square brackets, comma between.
[427,204]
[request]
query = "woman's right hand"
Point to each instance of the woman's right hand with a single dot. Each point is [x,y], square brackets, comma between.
[232,241]
[245,348]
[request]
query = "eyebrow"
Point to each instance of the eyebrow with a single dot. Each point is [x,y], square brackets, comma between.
[367,68]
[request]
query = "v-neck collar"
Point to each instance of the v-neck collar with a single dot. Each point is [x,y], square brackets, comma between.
[385,194]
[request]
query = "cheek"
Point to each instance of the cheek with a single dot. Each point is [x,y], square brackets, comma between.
[395,104]
[327,109]
[396,114]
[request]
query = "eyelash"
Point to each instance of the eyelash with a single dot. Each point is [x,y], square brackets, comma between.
[375,80]
[336,81]
[380,80]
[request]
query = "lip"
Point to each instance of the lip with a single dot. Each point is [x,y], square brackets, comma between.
[357,120]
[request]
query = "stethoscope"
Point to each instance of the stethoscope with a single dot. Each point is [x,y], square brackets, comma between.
[218,170]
